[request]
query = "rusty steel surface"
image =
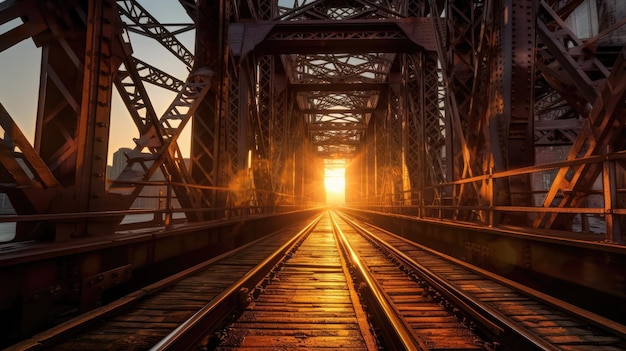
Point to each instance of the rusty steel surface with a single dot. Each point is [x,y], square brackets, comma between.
[143,318]
[310,302]
[514,314]
[474,91]
[307,303]
[505,115]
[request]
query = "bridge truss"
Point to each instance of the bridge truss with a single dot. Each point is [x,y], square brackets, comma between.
[437,109]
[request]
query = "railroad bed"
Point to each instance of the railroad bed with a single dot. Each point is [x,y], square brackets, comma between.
[141,319]
[512,316]
[335,284]
[311,303]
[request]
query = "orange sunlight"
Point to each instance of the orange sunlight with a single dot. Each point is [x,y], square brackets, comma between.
[335,184]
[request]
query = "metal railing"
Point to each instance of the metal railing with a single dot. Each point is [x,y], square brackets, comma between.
[159,208]
[603,211]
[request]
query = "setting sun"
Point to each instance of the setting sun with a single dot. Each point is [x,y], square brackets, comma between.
[335,183]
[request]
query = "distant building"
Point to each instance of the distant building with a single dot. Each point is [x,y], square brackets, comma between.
[119,162]
[151,197]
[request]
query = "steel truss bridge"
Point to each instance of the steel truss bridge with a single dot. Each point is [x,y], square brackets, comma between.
[436,108]
[439,111]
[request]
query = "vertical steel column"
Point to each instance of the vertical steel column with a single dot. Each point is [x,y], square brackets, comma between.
[95,113]
[413,110]
[279,125]
[72,130]
[236,141]
[264,10]
[300,159]
[432,127]
[313,175]
[208,140]
[355,175]
[412,93]
[263,159]
[294,133]
[395,129]
[519,71]
[370,161]
[456,48]
[609,186]
[382,165]
[57,124]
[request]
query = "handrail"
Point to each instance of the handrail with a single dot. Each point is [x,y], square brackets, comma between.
[439,201]
[164,208]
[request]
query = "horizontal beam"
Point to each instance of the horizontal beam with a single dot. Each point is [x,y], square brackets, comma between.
[336,142]
[28,12]
[313,127]
[342,110]
[400,35]
[335,155]
[298,87]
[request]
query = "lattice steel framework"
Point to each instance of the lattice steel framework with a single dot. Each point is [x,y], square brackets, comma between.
[435,105]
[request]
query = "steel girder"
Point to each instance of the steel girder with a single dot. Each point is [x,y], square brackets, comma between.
[597,96]
[92,137]
[264,169]
[413,92]
[396,127]
[425,143]
[73,124]
[499,69]
[281,143]
[274,145]
[33,22]
[517,133]
[144,23]
[210,162]
[489,70]
[370,162]
[159,135]
[458,51]
[71,137]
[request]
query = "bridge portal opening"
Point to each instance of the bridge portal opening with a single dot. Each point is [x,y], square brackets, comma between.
[335,185]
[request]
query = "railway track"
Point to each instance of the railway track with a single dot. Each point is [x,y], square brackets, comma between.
[335,284]
[513,316]
[143,318]
[307,303]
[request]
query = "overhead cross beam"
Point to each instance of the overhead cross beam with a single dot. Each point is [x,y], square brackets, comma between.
[337,87]
[350,36]
[338,111]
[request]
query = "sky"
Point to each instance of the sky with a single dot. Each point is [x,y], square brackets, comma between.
[20,68]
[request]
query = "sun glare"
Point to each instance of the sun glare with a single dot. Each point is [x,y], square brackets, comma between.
[335,184]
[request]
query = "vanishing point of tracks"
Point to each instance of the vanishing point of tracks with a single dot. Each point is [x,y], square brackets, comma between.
[335,284]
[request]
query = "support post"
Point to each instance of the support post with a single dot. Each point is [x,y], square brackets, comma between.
[609,188]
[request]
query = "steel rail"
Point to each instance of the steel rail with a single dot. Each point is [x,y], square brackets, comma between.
[78,324]
[398,336]
[210,317]
[585,315]
[491,319]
